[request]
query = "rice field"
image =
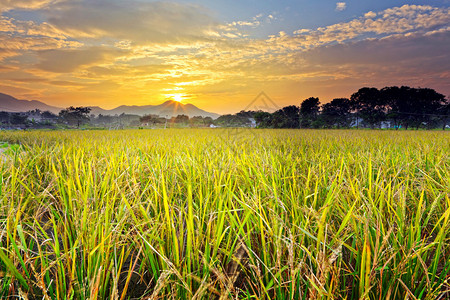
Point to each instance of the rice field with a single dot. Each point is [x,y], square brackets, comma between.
[217,214]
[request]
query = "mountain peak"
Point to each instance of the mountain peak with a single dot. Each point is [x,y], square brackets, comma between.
[170,108]
[172,102]
[10,104]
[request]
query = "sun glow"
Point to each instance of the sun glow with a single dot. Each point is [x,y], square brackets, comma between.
[177,97]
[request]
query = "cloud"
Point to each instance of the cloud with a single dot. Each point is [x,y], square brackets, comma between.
[19,37]
[370,15]
[29,28]
[69,60]
[20,44]
[411,50]
[67,83]
[24,4]
[340,6]
[398,20]
[417,60]
[255,22]
[137,21]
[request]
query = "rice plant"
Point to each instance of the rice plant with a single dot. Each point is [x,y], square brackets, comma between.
[199,214]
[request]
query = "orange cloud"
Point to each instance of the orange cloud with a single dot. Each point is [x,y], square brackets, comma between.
[23,4]
[136,21]
[69,60]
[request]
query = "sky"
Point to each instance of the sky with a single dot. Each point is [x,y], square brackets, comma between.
[218,55]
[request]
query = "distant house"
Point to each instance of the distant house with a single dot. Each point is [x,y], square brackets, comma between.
[252,122]
[213,126]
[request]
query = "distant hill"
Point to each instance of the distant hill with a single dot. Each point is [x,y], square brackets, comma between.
[10,104]
[169,108]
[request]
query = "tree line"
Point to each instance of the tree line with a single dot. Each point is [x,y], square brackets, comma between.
[76,117]
[72,116]
[389,107]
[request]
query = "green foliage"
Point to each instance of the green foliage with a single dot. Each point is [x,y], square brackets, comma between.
[197,213]
[239,119]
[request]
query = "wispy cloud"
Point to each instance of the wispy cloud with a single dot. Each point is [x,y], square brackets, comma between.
[137,21]
[24,4]
[340,6]
[69,60]
[398,20]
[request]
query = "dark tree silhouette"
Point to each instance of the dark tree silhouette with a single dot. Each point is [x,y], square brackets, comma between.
[337,113]
[370,106]
[397,100]
[19,119]
[263,119]
[309,110]
[397,106]
[48,115]
[427,103]
[75,115]
[287,117]
[413,106]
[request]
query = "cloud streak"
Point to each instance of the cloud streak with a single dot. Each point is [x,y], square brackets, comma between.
[69,60]
[340,6]
[6,5]
[134,21]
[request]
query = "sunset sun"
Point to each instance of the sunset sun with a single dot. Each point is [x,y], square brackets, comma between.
[177,97]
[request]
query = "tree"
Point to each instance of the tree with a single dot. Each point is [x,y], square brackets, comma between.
[153,120]
[197,121]
[237,120]
[309,110]
[397,100]
[370,105]
[413,106]
[263,119]
[337,113]
[4,117]
[19,119]
[75,115]
[48,115]
[427,104]
[181,119]
[208,121]
[287,117]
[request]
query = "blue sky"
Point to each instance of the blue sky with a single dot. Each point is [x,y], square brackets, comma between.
[218,54]
[292,15]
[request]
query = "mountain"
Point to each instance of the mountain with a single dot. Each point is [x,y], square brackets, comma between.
[169,108]
[11,104]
